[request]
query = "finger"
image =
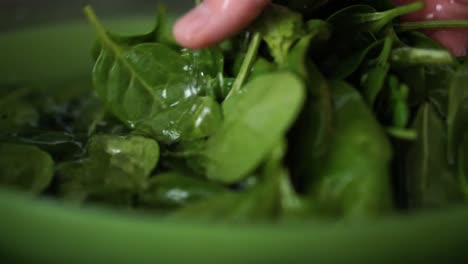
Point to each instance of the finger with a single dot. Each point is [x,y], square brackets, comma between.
[215,20]
[456,40]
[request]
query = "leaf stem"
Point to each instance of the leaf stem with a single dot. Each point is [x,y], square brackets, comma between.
[246,64]
[408,26]
[100,30]
[99,117]
[403,133]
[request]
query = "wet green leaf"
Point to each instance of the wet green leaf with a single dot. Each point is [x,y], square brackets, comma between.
[431,182]
[26,168]
[355,181]
[255,119]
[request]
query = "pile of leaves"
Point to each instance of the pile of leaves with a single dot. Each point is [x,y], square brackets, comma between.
[331,109]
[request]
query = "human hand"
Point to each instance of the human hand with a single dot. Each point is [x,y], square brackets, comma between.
[456,40]
[214,20]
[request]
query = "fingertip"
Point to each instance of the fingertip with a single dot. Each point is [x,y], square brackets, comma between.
[215,20]
[188,29]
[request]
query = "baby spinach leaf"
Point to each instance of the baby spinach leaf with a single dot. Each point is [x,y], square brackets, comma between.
[26,168]
[174,190]
[187,157]
[311,135]
[159,33]
[188,120]
[254,120]
[263,201]
[116,168]
[280,28]
[254,205]
[457,120]
[260,67]
[205,61]
[350,64]
[438,79]
[290,205]
[17,116]
[138,83]
[355,180]
[123,162]
[75,181]
[431,182]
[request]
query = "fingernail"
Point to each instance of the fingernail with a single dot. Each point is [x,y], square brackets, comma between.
[189,27]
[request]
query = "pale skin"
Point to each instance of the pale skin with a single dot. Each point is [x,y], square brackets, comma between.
[215,20]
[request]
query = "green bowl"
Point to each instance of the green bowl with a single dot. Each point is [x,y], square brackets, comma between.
[36,230]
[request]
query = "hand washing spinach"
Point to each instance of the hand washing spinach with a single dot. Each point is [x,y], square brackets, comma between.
[317,110]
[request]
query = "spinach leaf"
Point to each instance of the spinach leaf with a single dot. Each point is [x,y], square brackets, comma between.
[187,157]
[25,167]
[351,63]
[75,181]
[260,67]
[17,116]
[431,182]
[280,28]
[457,120]
[290,204]
[311,135]
[189,120]
[438,80]
[174,190]
[137,83]
[270,198]
[124,162]
[254,205]
[254,120]
[116,166]
[355,180]
[159,33]
[205,61]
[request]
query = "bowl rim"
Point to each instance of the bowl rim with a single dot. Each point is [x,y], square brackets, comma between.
[42,229]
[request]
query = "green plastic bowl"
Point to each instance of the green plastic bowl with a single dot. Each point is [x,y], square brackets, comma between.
[36,230]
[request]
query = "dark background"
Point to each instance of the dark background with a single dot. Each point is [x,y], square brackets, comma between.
[15,14]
